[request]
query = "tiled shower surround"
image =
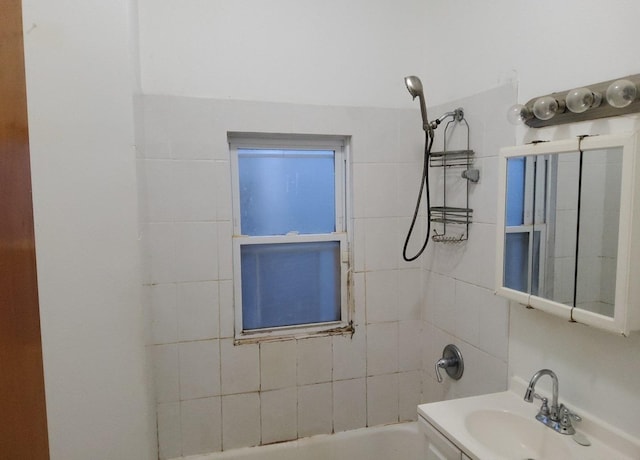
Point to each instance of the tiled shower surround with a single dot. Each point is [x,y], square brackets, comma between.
[213,395]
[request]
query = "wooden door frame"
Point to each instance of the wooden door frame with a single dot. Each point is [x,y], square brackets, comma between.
[23,424]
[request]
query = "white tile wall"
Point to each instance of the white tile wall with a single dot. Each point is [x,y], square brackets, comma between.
[200,423]
[169,430]
[241,420]
[279,415]
[240,367]
[199,311]
[350,355]
[315,360]
[199,369]
[315,409]
[460,306]
[349,404]
[215,395]
[278,364]
[382,399]
[382,348]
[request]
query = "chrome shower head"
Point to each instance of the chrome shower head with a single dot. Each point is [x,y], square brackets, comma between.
[414,85]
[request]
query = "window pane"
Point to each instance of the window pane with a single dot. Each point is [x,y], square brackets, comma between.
[516,261]
[287,284]
[284,191]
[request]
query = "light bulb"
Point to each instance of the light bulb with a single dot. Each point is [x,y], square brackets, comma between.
[582,99]
[621,93]
[518,114]
[546,107]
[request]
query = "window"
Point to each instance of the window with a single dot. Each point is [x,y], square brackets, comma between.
[290,240]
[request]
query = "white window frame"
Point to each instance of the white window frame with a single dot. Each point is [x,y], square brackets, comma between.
[340,145]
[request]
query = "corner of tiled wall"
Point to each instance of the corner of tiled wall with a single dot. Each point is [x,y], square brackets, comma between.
[460,306]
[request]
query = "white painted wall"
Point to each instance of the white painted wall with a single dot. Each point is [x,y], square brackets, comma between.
[79,85]
[545,45]
[330,52]
[495,41]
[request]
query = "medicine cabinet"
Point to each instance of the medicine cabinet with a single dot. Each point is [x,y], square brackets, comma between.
[568,229]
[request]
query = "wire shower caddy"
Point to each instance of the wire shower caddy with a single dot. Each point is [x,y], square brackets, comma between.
[446,214]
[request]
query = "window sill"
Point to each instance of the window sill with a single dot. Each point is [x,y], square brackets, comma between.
[294,334]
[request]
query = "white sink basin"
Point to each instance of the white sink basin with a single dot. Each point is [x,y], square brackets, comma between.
[502,426]
[513,436]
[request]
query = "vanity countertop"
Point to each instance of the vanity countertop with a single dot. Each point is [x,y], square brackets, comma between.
[503,426]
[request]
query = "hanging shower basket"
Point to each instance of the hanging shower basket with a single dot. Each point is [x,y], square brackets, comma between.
[449,216]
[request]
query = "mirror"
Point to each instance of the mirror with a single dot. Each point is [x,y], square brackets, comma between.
[563,227]
[547,196]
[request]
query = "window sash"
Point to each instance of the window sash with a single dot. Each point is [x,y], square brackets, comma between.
[239,241]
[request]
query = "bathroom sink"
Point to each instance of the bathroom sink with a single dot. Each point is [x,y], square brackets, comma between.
[502,426]
[511,435]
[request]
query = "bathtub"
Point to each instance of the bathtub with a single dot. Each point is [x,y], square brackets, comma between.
[400,441]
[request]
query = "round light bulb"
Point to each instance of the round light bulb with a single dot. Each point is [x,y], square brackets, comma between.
[582,99]
[546,107]
[518,114]
[621,93]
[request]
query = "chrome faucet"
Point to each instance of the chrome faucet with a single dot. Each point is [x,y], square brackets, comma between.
[556,417]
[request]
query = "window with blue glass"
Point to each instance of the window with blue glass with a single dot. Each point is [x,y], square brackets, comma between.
[290,240]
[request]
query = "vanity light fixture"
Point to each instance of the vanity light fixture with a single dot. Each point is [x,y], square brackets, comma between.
[600,100]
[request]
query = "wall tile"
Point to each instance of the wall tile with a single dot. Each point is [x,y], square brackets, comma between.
[161,191]
[201,421]
[199,369]
[349,404]
[166,376]
[381,182]
[278,364]
[350,355]
[409,395]
[191,120]
[382,252]
[382,348]
[382,399]
[158,242]
[315,409]
[198,310]
[409,355]
[227,312]
[241,420]
[169,430]
[382,296]
[440,300]
[225,250]
[240,367]
[164,313]
[196,259]
[223,188]
[279,415]
[410,295]
[315,360]
[195,198]
[190,150]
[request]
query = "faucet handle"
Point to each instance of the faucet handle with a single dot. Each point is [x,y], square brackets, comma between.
[566,416]
[544,409]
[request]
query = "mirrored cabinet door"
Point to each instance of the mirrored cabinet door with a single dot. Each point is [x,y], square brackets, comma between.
[561,246]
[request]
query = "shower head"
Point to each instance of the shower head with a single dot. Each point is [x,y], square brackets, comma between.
[414,85]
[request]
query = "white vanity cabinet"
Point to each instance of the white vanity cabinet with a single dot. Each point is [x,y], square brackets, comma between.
[568,229]
[438,446]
